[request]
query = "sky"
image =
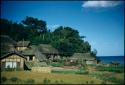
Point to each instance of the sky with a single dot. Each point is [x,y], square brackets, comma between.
[102,22]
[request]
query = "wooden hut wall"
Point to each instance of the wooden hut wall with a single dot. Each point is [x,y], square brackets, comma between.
[21,48]
[14,61]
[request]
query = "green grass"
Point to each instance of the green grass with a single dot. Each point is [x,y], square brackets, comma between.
[65,72]
[111,69]
[78,71]
[47,78]
[57,64]
[117,78]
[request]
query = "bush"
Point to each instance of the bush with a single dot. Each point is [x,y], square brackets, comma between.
[115,80]
[103,82]
[46,81]
[61,81]
[87,82]
[92,82]
[30,81]
[64,72]
[3,79]
[111,69]
[14,79]
[57,64]
[82,72]
[56,82]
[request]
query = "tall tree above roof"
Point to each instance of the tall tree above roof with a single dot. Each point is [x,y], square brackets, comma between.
[35,23]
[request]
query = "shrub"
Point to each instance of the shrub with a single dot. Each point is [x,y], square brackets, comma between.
[46,81]
[111,69]
[87,82]
[57,64]
[3,79]
[61,81]
[82,72]
[56,82]
[103,82]
[30,81]
[115,80]
[92,82]
[64,71]
[14,79]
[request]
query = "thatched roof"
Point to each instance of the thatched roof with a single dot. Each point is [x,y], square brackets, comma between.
[85,56]
[37,53]
[35,64]
[23,43]
[47,48]
[33,50]
[7,44]
[28,52]
[11,53]
[7,39]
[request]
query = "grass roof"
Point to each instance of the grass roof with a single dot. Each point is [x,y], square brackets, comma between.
[28,52]
[7,44]
[85,56]
[23,43]
[47,48]
[35,64]
[7,39]
[12,53]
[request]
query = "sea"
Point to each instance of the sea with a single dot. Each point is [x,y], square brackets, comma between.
[108,59]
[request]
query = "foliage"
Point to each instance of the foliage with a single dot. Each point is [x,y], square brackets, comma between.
[14,79]
[110,69]
[57,64]
[46,81]
[66,39]
[3,79]
[115,80]
[94,52]
[103,82]
[64,71]
[30,81]
[82,72]
[34,23]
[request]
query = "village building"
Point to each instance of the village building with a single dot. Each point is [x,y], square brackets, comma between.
[84,58]
[24,56]
[34,56]
[49,51]
[13,60]
[22,45]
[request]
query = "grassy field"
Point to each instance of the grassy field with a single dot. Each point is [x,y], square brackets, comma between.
[42,78]
[91,75]
[108,74]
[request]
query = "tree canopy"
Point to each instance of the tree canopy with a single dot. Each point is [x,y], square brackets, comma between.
[66,39]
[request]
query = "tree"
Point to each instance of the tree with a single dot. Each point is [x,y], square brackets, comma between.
[67,40]
[94,52]
[31,22]
[14,30]
[37,29]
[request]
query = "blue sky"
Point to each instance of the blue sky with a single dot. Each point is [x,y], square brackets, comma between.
[101,22]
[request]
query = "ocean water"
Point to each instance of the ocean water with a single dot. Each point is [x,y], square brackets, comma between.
[108,59]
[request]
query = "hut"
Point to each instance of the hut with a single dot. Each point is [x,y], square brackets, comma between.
[12,60]
[22,45]
[84,58]
[33,54]
[7,44]
[49,51]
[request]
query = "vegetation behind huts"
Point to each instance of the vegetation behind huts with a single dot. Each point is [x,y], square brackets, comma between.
[65,39]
